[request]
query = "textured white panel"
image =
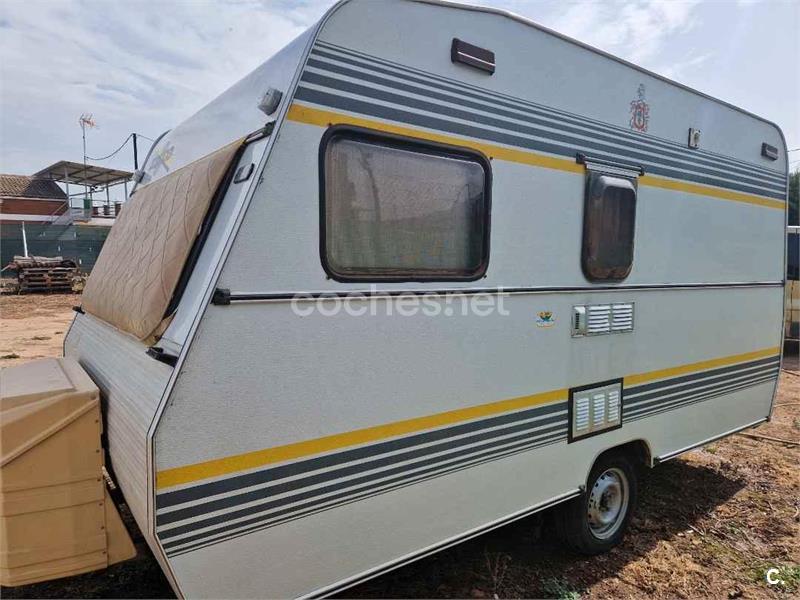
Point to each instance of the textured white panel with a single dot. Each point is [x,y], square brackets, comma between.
[131,384]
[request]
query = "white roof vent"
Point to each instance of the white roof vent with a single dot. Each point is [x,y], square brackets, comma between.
[269,101]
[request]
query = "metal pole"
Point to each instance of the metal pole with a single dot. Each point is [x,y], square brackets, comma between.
[66,182]
[108,200]
[24,241]
[135,154]
[87,202]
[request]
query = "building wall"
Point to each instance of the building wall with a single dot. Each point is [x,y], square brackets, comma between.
[9,207]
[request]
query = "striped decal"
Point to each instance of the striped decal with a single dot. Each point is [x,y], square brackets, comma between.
[341,79]
[192,517]
[223,466]
[654,398]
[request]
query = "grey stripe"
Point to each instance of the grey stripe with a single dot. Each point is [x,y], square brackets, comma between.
[717,393]
[454,86]
[671,399]
[399,70]
[333,474]
[639,389]
[654,395]
[359,106]
[230,484]
[351,499]
[401,470]
[354,88]
[395,483]
[656,405]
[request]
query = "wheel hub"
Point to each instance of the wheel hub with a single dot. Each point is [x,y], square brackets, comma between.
[608,503]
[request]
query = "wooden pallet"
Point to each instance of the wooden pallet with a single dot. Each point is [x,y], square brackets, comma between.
[46,279]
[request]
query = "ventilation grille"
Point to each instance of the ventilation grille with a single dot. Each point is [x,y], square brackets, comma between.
[598,319]
[595,409]
[621,317]
[581,414]
[613,406]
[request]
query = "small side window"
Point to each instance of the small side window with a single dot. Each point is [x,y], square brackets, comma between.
[399,210]
[609,218]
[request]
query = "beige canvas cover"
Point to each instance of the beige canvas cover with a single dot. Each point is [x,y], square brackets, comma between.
[136,273]
[56,518]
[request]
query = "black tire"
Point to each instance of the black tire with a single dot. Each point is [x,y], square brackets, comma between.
[573,524]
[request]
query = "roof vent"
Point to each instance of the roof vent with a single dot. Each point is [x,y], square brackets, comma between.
[269,101]
[770,152]
[694,138]
[473,56]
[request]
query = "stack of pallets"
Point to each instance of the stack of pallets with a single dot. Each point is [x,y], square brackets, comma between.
[44,274]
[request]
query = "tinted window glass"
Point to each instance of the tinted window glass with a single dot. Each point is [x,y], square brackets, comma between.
[609,219]
[403,212]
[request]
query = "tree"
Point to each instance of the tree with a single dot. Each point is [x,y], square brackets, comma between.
[794,197]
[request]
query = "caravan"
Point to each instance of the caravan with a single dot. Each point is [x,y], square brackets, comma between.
[429,269]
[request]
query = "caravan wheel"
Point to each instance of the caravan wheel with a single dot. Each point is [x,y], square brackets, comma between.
[596,521]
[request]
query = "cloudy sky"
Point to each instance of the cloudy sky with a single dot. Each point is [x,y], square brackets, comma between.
[144,66]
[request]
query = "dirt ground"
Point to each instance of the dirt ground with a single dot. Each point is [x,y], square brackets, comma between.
[709,524]
[34,326]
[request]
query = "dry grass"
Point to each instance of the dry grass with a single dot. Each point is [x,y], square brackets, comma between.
[709,524]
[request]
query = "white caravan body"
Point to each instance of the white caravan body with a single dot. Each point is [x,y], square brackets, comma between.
[269,450]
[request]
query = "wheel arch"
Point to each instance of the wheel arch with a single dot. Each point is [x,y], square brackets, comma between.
[638,450]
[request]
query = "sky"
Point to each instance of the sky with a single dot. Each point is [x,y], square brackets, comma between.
[145,66]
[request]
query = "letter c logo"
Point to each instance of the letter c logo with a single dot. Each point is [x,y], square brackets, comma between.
[771,576]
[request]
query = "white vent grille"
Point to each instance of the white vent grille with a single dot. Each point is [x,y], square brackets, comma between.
[599,319]
[613,406]
[621,317]
[581,416]
[596,409]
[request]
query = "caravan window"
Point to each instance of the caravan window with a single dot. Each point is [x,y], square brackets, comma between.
[397,210]
[609,217]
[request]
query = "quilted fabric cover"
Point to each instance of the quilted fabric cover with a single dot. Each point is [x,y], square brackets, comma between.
[138,269]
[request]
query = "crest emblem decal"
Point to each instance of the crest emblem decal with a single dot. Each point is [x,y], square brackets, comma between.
[640,110]
[545,319]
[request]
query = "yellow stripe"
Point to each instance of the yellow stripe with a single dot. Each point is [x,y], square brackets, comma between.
[699,366]
[250,460]
[325,118]
[704,190]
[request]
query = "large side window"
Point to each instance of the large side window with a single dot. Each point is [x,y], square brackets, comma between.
[397,210]
[609,219]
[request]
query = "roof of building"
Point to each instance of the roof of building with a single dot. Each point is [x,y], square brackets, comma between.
[24,186]
[67,171]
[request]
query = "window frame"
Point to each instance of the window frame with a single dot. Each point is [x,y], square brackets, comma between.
[593,173]
[410,144]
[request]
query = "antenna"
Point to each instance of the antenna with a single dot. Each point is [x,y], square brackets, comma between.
[86,120]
